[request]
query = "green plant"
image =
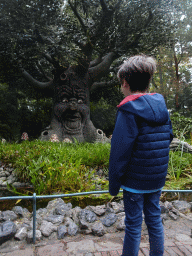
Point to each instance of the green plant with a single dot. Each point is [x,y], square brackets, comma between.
[182,126]
[57,167]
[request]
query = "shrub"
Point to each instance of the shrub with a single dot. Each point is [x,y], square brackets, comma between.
[182,126]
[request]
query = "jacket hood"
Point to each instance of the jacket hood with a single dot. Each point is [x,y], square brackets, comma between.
[150,106]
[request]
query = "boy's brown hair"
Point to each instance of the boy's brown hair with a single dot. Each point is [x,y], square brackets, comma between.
[137,71]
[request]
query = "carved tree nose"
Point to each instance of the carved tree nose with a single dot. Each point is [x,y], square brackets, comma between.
[73,104]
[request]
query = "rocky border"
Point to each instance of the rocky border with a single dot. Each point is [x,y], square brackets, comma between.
[64,220]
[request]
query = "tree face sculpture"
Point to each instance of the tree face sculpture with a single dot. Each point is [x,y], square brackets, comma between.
[71,115]
[70,89]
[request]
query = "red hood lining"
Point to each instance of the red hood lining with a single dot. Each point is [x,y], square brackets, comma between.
[132,98]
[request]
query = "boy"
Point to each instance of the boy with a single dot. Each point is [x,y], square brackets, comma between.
[140,154]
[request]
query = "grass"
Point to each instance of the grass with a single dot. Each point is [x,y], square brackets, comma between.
[57,167]
[70,168]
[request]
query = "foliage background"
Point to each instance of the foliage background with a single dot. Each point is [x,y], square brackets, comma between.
[31,28]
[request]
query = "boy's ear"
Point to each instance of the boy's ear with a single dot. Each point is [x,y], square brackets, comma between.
[125,84]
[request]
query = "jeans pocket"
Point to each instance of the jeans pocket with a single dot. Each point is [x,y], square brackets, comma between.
[132,196]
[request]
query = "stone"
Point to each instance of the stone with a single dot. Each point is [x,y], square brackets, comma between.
[21,234]
[117,207]
[173,216]
[98,229]
[11,179]
[55,219]
[47,228]
[72,228]
[83,224]
[8,215]
[18,184]
[7,231]
[61,231]
[87,215]
[109,220]
[75,214]
[95,220]
[2,179]
[38,236]
[182,206]
[41,212]
[121,224]
[54,204]
[163,208]
[2,174]
[18,210]
[98,210]
[63,209]
[168,205]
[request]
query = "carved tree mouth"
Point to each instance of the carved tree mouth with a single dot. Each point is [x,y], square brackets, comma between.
[72,122]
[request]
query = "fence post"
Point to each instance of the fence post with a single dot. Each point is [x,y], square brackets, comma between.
[34,218]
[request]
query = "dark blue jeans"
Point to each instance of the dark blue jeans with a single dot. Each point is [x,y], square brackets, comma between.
[135,204]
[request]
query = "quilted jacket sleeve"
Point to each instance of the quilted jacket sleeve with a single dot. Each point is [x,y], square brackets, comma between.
[122,142]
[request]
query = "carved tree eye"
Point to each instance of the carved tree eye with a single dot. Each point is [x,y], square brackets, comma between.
[65,100]
[80,101]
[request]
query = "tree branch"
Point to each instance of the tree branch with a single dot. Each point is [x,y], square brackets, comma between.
[97,85]
[103,5]
[51,60]
[34,82]
[42,71]
[95,62]
[100,70]
[78,16]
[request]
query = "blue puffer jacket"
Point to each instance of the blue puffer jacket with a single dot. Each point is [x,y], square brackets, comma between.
[140,143]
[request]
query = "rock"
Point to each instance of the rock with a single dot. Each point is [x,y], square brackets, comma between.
[61,231]
[109,220]
[63,209]
[121,224]
[21,234]
[8,215]
[75,214]
[2,174]
[59,219]
[7,231]
[47,228]
[53,204]
[117,207]
[87,215]
[11,179]
[72,228]
[98,229]
[55,219]
[26,223]
[164,217]
[168,205]
[38,236]
[98,210]
[19,184]
[18,210]
[182,206]
[2,179]
[41,212]
[173,216]
[163,208]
